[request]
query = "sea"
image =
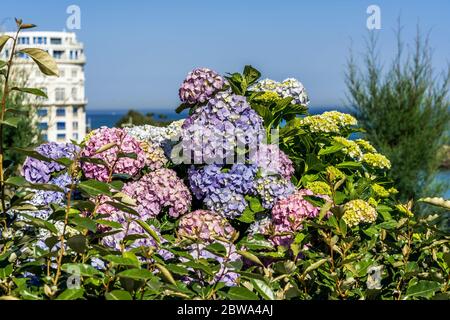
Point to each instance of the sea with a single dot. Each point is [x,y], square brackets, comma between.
[98,118]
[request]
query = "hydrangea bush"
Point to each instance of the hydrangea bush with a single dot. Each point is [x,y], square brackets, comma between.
[301,211]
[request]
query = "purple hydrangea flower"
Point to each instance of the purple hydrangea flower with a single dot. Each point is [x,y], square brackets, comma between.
[157,190]
[205,225]
[123,144]
[200,85]
[39,171]
[227,273]
[273,188]
[272,160]
[217,130]
[223,192]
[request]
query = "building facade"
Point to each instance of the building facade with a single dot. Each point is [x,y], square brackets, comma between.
[62,117]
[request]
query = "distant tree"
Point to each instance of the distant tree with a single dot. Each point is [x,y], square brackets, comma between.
[405,111]
[135,118]
[27,132]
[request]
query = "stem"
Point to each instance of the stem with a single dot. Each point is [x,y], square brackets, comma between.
[2,117]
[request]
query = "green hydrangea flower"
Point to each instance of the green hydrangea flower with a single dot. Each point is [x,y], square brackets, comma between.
[376,160]
[319,187]
[334,174]
[268,97]
[365,145]
[358,211]
[380,191]
[351,148]
[328,122]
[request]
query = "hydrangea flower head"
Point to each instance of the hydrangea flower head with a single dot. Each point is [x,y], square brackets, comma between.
[39,171]
[358,211]
[273,188]
[272,160]
[376,160]
[289,213]
[200,85]
[319,187]
[205,225]
[289,87]
[216,130]
[157,190]
[328,122]
[351,148]
[116,164]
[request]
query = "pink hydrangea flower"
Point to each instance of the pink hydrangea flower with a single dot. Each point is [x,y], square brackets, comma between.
[157,190]
[205,225]
[289,213]
[124,144]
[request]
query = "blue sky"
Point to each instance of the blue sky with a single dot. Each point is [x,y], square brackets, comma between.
[139,51]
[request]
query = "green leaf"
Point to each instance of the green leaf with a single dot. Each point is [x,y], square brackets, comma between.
[123,208]
[34,91]
[95,188]
[81,269]
[44,61]
[250,256]
[106,147]
[3,40]
[241,293]
[177,269]
[166,273]
[330,149]
[149,230]
[263,289]
[40,223]
[217,248]
[78,243]
[11,122]
[423,289]
[85,223]
[136,274]
[16,181]
[182,107]
[248,216]
[124,261]
[349,165]
[6,271]
[255,204]
[71,294]
[118,295]
[3,63]
[251,74]
[27,26]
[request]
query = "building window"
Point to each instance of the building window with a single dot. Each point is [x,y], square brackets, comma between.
[74,93]
[59,94]
[58,54]
[74,73]
[24,40]
[39,40]
[43,125]
[73,54]
[75,136]
[61,136]
[61,112]
[75,110]
[45,137]
[75,125]
[62,73]
[42,112]
[55,40]
[61,125]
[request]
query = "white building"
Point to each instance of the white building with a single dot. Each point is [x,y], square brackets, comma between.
[62,116]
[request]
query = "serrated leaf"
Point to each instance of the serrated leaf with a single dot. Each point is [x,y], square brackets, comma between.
[136,274]
[241,293]
[118,295]
[71,294]
[166,273]
[34,91]
[44,61]
[263,289]
[95,188]
[423,289]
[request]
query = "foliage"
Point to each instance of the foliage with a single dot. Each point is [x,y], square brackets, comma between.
[405,111]
[135,118]
[79,238]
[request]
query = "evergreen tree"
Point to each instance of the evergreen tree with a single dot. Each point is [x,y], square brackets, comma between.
[405,111]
